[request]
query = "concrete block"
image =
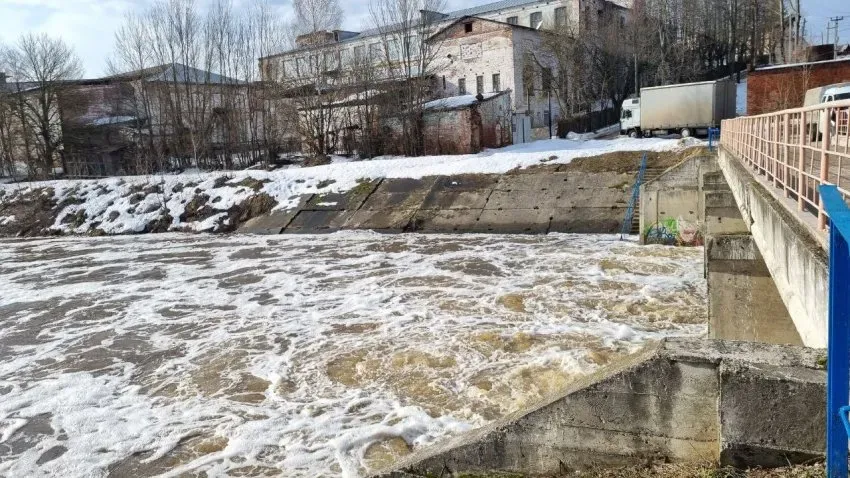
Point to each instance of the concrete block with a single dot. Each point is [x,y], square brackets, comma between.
[457,199]
[771,416]
[598,220]
[346,201]
[591,198]
[317,222]
[399,194]
[269,224]
[522,200]
[514,221]
[385,220]
[445,220]
[534,182]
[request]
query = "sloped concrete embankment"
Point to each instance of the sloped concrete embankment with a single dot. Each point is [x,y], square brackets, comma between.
[537,201]
[681,400]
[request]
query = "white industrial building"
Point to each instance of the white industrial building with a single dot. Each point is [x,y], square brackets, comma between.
[476,50]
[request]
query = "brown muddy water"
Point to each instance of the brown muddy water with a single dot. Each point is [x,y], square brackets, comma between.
[306,356]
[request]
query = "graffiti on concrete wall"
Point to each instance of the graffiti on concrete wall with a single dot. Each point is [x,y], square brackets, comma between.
[674,232]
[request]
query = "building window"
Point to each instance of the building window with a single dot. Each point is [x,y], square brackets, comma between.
[536,20]
[513,20]
[330,61]
[622,22]
[375,51]
[444,82]
[467,27]
[360,53]
[461,86]
[479,85]
[547,79]
[395,52]
[289,69]
[497,82]
[561,17]
[413,46]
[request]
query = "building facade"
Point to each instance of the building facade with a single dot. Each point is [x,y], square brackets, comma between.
[493,47]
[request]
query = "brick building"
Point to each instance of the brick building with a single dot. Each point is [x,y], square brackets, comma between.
[467,124]
[781,87]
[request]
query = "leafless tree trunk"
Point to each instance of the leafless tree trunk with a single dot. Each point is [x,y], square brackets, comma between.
[45,63]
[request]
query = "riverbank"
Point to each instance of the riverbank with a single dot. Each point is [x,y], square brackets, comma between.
[221,202]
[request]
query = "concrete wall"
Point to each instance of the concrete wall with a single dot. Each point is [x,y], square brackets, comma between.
[671,206]
[682,400]
[743,301]
[531,201]
[793,254]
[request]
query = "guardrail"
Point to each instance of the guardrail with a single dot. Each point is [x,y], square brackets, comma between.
[797,150]
[838,353]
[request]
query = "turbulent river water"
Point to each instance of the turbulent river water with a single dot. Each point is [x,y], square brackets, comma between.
[306,356]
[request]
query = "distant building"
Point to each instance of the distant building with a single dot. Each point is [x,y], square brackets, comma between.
[781,87]
[484,49]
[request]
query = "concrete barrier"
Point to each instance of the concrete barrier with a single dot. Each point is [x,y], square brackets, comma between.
[681,400]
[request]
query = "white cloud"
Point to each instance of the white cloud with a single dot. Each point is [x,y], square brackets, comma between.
[90,25]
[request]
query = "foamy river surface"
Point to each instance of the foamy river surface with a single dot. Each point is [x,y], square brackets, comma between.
[306,356]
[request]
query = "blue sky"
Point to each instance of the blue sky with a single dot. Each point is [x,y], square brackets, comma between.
[89,25]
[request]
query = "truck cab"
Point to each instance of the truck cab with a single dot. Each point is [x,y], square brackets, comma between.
[630,118]
[817,124]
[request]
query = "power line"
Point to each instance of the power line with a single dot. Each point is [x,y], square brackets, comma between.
[833,25]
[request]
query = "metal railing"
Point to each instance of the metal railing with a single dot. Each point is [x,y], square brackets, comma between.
[633,200]
[797,150]
[838,353]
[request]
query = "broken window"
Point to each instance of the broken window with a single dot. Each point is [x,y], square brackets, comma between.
[467,27]
[547,79]
[461,86]
[536,20]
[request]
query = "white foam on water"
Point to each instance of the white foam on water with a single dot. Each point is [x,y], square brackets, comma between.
[315,356]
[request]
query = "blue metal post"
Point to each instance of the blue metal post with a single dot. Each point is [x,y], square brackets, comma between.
[838,353]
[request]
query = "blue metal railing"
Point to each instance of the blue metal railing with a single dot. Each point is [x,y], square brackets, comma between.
[630,211]
[713,138]
[838,352]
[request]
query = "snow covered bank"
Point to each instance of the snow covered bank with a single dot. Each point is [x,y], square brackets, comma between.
[219,201]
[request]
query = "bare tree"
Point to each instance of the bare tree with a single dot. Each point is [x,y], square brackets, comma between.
[45,64]
[407,60]
[317,15]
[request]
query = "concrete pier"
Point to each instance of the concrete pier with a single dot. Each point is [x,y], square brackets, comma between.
[682,400]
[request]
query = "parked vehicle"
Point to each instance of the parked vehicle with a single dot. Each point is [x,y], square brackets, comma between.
[688,109]
[838,120]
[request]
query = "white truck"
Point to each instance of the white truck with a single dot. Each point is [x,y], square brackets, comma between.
[689,109]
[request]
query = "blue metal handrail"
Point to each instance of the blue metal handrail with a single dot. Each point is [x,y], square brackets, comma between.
[838,352]
[630,211]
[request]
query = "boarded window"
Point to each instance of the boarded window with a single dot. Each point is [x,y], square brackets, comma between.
[561,16]
[497,82]
[461,86]
[536,20]
[479,85]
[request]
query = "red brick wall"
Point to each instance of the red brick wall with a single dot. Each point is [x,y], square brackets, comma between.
[783,88]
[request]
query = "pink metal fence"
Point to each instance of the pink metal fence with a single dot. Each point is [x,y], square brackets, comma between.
[796,150]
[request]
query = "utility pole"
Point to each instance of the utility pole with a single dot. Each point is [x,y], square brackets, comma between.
[833,25]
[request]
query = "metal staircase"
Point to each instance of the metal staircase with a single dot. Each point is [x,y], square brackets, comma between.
[651,174]
[631,223]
